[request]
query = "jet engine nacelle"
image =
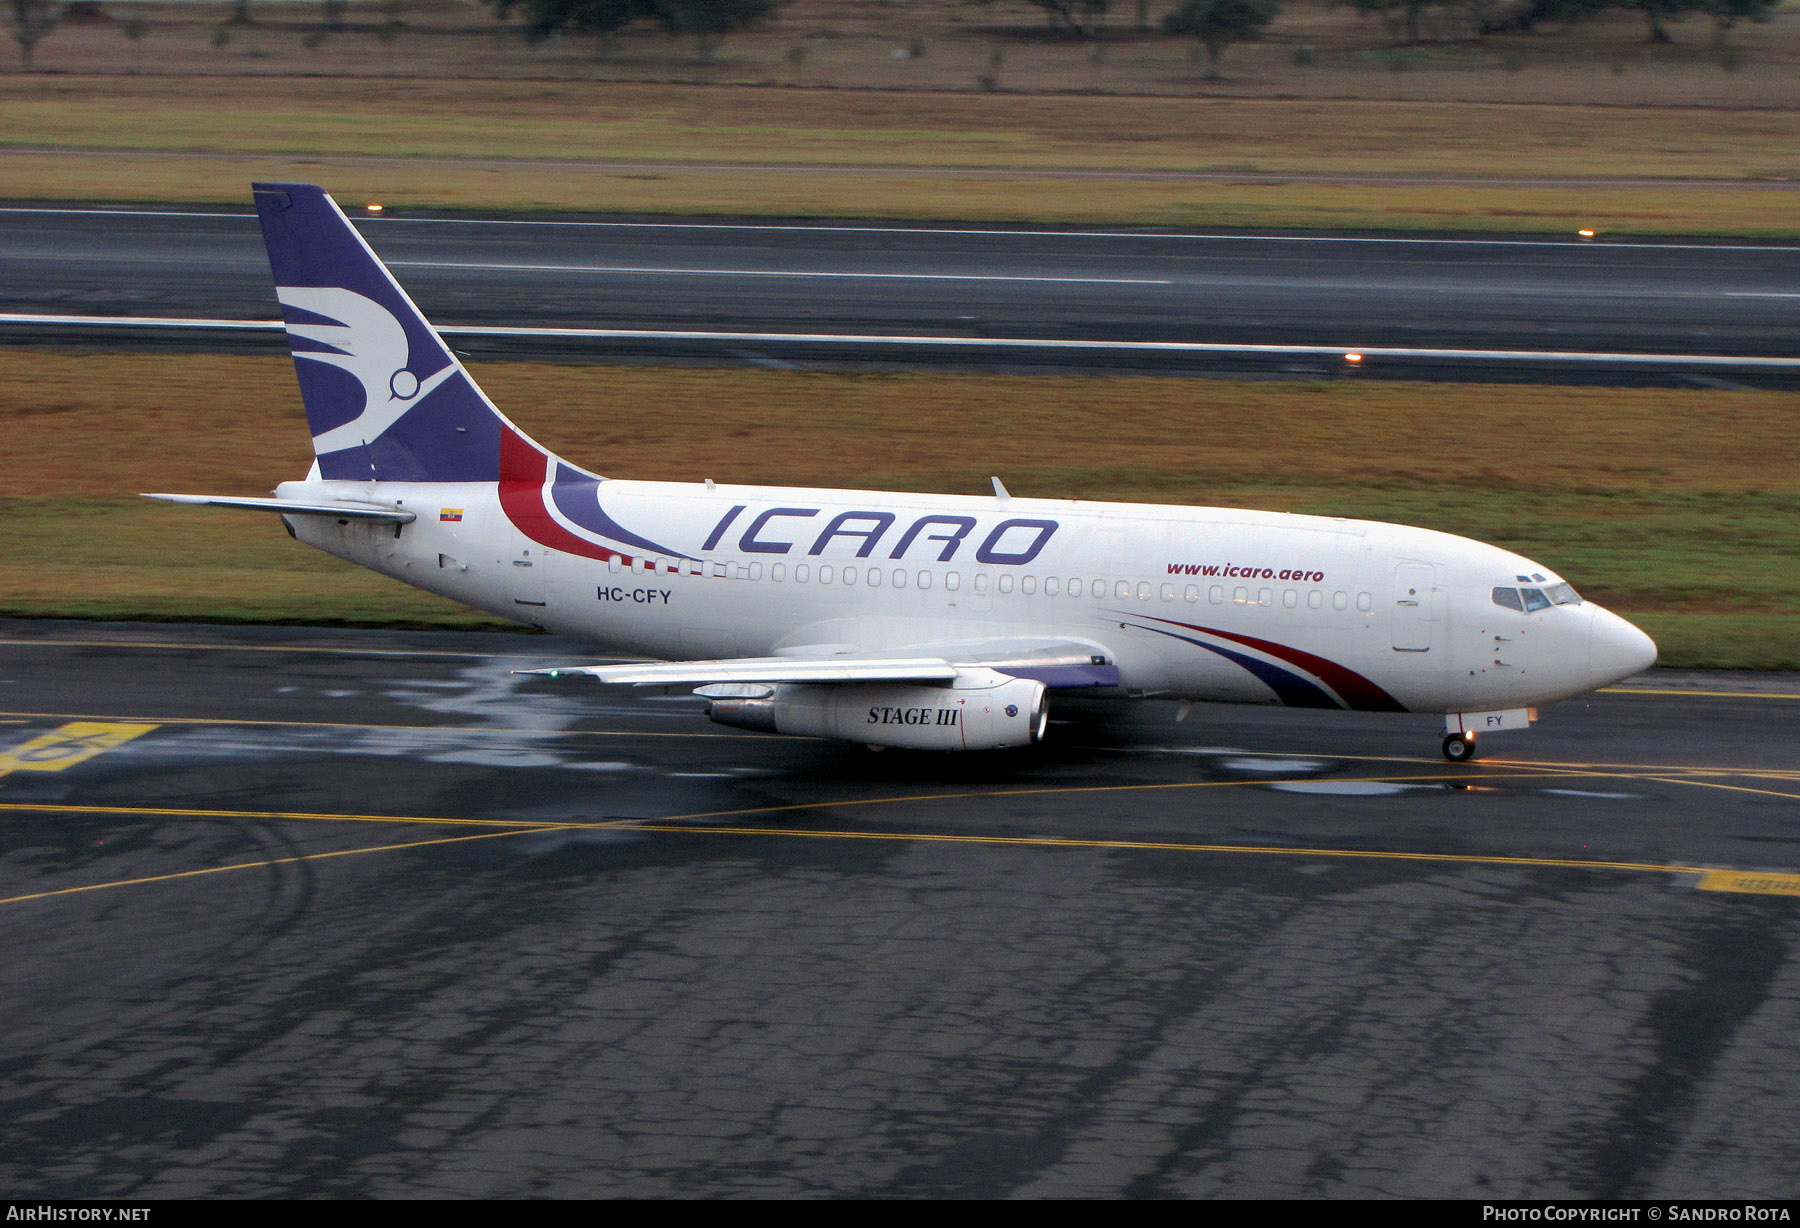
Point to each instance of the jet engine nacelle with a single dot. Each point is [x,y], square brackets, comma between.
[980,709]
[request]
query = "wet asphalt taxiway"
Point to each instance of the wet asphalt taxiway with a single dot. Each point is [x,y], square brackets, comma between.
[303,912]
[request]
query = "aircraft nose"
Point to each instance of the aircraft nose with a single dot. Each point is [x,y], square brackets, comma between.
[1616,649]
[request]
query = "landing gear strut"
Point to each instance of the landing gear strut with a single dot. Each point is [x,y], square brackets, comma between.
[1459,747]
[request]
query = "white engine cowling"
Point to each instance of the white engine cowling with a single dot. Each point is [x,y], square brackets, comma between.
[981,709]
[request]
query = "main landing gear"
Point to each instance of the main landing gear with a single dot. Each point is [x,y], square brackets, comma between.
[1459,747]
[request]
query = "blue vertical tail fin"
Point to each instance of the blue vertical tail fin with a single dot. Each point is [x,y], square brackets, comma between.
[385,398]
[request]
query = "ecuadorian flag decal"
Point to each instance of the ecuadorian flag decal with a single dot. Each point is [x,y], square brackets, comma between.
[450,515]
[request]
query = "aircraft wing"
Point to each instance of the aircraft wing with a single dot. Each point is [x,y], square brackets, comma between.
[764,669]
[1063,665]
[344,509]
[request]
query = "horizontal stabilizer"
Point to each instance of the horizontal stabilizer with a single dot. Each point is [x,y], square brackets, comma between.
[342,509]
[764,669]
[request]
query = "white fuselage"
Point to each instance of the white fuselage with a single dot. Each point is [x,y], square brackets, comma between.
[1189,603]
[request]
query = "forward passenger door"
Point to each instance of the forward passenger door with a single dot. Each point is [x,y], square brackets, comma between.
[1417,619]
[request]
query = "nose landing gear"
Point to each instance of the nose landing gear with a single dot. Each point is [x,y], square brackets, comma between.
[1459,747]
[1460,727]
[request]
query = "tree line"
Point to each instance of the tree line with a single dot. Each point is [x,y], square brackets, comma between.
[1213,24]
[1237,20]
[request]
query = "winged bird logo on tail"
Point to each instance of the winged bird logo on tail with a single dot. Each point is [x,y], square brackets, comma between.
[366,356]
[362,337]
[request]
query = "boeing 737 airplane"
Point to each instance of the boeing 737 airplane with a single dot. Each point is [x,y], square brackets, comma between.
[942,622]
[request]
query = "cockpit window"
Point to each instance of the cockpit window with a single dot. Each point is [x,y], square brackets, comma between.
[1530,600]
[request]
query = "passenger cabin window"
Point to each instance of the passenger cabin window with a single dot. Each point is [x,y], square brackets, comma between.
[924,579]
[1074,586]
[1340,600]
[778,572]
[1216,594]
[1315,600]
[1364,602]
[952,580]
[824,573]
[800,573]
[1051,586]
[1006,582]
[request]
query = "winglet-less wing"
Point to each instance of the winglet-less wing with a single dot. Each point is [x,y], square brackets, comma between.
[764,669]
[343,509]
[1058,664]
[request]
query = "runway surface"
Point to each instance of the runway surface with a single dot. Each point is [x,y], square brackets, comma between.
[299,911]
[1013,298]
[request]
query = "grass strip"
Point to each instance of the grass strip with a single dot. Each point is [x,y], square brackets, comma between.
[1733,212]
[841,153]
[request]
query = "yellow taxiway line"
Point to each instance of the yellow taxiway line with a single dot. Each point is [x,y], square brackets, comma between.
[344,651]
[1532,765]
[1711,878]
[1650,690]
[244,722]
[253,865]
[837,803]
[84,737]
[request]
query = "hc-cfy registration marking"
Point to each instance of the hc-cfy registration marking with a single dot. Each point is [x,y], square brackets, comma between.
[65,747]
